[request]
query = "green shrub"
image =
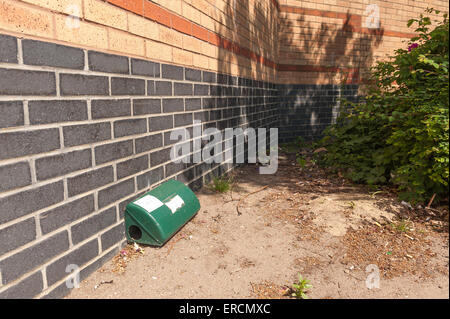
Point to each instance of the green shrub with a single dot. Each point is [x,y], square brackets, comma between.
[398,134]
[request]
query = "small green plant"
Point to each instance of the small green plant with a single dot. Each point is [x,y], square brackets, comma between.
[402,226]
[300,288]
[221,184]
[351,204]
[301,161]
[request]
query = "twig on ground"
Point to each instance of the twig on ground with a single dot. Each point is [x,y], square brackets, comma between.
[247,195]
[103,282]
[431,201]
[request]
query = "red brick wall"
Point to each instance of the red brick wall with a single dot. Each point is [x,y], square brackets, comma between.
[323,42]
[288,41]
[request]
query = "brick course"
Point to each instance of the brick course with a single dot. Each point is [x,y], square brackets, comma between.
[49,54]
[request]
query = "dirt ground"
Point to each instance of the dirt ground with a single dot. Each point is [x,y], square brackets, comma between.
[305,221]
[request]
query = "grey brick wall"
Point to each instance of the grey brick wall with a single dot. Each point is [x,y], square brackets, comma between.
[306,110]
[82,133]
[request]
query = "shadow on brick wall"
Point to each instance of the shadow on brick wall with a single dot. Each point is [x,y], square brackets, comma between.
[333,59]
[238,101]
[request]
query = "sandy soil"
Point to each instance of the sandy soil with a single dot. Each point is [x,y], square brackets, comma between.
[303,222]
